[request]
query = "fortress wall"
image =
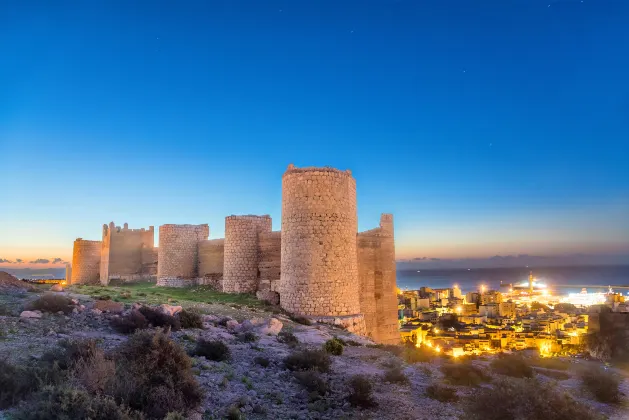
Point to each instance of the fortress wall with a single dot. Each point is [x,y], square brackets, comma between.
[149,261]
[241,252]
[377,274]
[211,255]
[270,260]
[319,269]
[178,257]
[122,252]
[86,261]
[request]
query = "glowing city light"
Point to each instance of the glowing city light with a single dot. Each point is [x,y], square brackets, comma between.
[438,349]
[544,349]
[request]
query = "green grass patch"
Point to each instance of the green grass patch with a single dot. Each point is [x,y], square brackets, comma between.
[149,293]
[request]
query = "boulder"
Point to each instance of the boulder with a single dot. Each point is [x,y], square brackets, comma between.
[210,318]
[271,327]
[97,311]
[30,314]
[170,310]
[109,306]
[56,288]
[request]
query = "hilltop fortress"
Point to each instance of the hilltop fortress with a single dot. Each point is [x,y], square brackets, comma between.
[318,266]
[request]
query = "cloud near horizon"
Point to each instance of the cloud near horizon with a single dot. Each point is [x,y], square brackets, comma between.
[5,261]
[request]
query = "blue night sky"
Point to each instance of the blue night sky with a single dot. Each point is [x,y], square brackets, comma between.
[486,127]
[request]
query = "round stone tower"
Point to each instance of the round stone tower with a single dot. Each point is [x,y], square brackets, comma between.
[240,271]
[86,261]
[178,254]
[319,268]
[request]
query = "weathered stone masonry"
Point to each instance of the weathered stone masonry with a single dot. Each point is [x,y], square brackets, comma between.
[377,273]
[86,262]
[127,254]
[241,271]
[319,274]
[178,255]
[317,266]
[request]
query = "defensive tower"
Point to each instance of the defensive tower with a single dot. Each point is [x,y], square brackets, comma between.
[241,252]
[86,261]
[319,273]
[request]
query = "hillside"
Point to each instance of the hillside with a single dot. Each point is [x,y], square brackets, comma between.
[239,359]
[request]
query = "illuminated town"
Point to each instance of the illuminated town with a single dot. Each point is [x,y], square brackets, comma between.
[521,316]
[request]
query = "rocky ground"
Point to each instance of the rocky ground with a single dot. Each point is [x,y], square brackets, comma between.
[258,392]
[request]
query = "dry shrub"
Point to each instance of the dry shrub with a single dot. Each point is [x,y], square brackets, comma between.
[189,319]
[525,399]
[464,374]
[308,360]
[212,350]
[66,403]
[154,375]
[441,393]
[313,382]
[395,375]
[93,373]
[361,392]
[262,361]
[159,319]
[248,337]
[512,365]
[130,323]
[17,383]
[287,338]
[602,384]
[334,346]
[52,303]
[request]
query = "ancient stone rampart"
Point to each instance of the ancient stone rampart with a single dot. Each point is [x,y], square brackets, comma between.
[149,261]
[122,252]
[270,261]
[178,254]
[211,256]
[86,261]
[377,274]
[319,273]
[241,252]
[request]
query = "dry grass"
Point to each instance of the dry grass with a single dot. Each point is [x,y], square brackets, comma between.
[512,365]
[465,374]
[603,385]
[441,393]
[525,399]
[308,360]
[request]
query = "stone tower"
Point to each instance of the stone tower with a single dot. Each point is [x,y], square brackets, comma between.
[178,254]
[377,274]
[86,261]
[319,269]
[240,271]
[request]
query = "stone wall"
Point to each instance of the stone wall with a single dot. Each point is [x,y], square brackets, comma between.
[149,261]
[86,262]
[178,255]
[377,274]
[122,252]
[319,273]
[211,255]
[241,252]
[270,260]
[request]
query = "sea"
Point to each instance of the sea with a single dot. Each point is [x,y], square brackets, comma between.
[560,280]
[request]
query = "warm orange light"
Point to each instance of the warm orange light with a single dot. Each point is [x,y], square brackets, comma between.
[438,349]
